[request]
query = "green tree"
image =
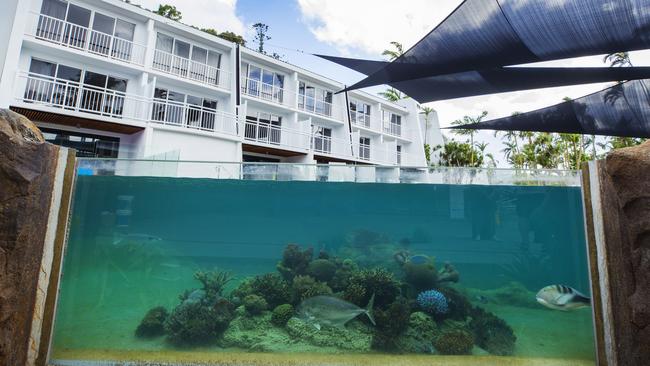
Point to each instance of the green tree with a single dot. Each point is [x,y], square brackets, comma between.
[261,36]
[426,111]
[618,59]
[459,154]
[228,36]
[169,11]
[468,131]
[393,94]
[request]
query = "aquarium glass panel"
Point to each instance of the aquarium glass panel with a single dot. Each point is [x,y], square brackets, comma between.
[182,263]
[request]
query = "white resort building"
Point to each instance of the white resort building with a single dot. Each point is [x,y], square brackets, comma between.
[114,80]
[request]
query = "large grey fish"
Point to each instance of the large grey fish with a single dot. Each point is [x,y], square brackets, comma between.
[332,311]
[560,297]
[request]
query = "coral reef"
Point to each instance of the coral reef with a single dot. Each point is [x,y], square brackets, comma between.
[294,261]
[354,337]
[492,333]
[322,269]
[272,288]
[512,294]
[153,323]
[192,324]
[341,278]
[255,334]
[433,302]
[420,275]
[281,314]
[454,342]
[213,281]
[255,304]
[448,273]
[380,282]
[305,287]
[459,306]
[390,323]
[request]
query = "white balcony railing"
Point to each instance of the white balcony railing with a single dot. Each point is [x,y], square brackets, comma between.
[392,128]
[73,96]
[271,135]
[88,40]
[321,108]
[360,119]
[189,69]
[265,91]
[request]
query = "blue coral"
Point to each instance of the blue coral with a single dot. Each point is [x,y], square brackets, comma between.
[433,302]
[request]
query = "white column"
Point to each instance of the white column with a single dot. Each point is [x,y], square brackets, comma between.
[151,45]
[13,21]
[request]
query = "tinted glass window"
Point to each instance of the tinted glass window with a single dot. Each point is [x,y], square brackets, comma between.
[95,79]
[212,104]
[214,59]
[164,43]
[69,73]
[78,15]
[160,93]
[116,84]
[124,30]
[103,23]
[199,54]
[194,100]
[42,68]
[54,8]
[182,49]
[176,96]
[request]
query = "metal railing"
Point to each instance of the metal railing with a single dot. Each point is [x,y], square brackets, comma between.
[360,119]
[364,152]
[392,128]
[85,39]
[189,69]
[321,144]
[262,90]
[73,96]
[268,134]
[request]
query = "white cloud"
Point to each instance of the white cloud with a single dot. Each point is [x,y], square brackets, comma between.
[218,14]
[369,25]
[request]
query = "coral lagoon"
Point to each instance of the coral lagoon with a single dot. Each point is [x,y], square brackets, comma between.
[417,308]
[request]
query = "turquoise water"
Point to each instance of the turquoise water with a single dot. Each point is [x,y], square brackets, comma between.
[136,243]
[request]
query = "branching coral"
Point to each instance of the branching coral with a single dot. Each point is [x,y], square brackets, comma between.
[294,261]
[282,314]
[305,287]
[152,325]
[192,324]
[213,281]
[363,284]
[390,323]
[454,342]
[492,333]
[341,278]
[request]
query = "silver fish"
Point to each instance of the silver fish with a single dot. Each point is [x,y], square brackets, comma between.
[332,311]
[561,297]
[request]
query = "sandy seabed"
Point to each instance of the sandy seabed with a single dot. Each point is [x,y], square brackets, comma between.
[145,358]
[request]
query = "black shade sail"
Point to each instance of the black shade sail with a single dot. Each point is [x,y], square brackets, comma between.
[487,34]
[622,110]
[499,80]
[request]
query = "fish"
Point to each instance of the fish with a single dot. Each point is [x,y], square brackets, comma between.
[561,297]
[419,259]
[136,237]
[332,311]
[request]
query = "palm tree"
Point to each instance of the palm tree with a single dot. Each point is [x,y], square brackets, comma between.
[391,94]
[468,131]
[426,111]
[618,59]
[396,53]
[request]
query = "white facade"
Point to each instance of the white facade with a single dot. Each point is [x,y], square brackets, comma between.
[143,86]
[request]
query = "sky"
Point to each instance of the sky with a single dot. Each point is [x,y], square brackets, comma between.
[363,29]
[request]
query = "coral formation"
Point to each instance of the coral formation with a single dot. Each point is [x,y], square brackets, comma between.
[492,333]
[152,325]
[213,281]
[341,278]
[255,304]
[193,324]
[459,306]
[322,269]
[512,294]
[281,314]
[305,287]
[380,282]
[433,302]
[355,336]
[390,323]
[419,335]
[294,261]
[448,273]
[454,342]
[420,275]
[272,288]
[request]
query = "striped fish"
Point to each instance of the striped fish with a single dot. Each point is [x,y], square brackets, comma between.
[561,297]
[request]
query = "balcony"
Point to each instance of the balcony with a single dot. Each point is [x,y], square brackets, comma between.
[321,108]
[392,128]
[360,119]
[185,68]
[263,133]
[87,40]
[121,107]
[261,90]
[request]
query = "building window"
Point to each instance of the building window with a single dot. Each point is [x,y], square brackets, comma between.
[186,60]
[262,83]
[172,107]
[399,154]
[360,113]
[86,145]
[392,123]
[112,36]
[314,99]
[322,140]
[263,127]
[364,148]
[70,88]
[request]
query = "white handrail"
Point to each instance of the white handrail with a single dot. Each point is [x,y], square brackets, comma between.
[88,40]
[268,134]
[265,91]
[73,96]
[190,69]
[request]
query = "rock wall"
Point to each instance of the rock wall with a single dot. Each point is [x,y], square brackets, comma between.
[29,169]
[624,179]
